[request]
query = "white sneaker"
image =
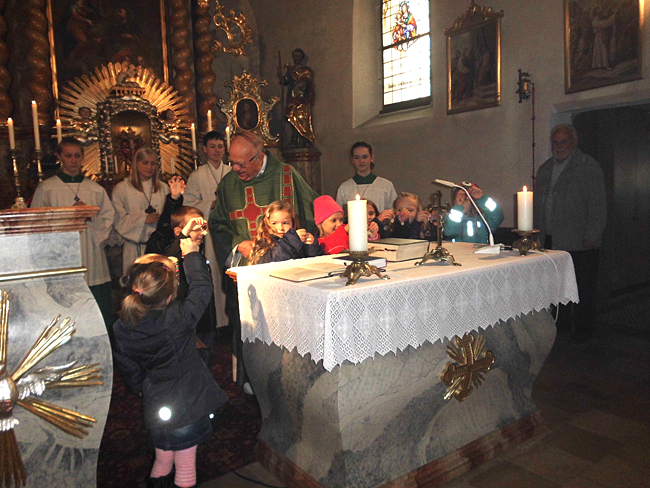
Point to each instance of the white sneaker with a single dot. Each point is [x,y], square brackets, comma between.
[247,389]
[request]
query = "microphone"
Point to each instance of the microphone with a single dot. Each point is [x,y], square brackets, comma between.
[492,248]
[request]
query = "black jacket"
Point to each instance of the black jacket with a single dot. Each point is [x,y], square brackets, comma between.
[289,246]
[158,356]
[161,238]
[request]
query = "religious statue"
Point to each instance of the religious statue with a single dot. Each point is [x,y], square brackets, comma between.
[168,127]
[85,127]
[300,97]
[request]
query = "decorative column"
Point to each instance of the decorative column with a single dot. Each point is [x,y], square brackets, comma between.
[6,106]
[181,52]
[205,77]
[38,59]
[307,161]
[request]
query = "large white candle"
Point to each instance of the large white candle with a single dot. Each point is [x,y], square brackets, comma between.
[12,137]
[173,164]
[193,132]
[228,136]
[358,222]
[525,210]
[209,120]
[59,136]
[37,134]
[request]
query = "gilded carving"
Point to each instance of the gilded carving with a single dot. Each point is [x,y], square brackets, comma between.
[471,364]
[205,77]
[237,30]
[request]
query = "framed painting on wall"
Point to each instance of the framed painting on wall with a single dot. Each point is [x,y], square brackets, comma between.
[602,41]
[85,34]
[474,60]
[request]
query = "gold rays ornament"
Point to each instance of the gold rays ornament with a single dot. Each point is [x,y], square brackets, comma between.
[20,388]
[95,108]
[472,364]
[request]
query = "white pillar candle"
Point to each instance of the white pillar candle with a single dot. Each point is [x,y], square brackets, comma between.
[37,134]
[228,136]
[209,120]
[59,135]
[12,137]
[173,164]
[525,210]
[114,162]
[358,222]
[193,131]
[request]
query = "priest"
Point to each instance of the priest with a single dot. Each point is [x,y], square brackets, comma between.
[256,180]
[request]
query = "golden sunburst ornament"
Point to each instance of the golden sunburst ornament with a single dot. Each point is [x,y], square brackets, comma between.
[472,364]
[20,388]
[131,89]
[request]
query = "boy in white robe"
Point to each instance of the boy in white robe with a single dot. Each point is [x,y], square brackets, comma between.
[200,192]
[70,188]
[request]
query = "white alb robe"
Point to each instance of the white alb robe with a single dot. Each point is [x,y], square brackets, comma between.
[130,205]
[200,193]
[55,193]
[381,192]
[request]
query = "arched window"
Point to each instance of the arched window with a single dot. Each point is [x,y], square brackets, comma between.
[406,53]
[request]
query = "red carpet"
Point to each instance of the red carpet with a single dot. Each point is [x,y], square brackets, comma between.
[125,457]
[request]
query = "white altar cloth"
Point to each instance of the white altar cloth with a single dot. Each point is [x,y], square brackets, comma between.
[334,323]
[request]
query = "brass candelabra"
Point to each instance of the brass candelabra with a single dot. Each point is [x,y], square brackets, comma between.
[439,253]
[359,267]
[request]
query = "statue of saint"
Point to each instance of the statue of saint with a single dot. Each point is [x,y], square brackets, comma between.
[299,80]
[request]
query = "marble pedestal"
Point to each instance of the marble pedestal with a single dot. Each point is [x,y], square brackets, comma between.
[384,422]
[40,268]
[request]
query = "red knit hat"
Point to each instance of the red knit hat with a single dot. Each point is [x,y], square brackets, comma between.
[324,206]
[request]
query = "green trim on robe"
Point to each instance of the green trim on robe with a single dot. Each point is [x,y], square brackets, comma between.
[365,180]
[227,234]
[66,178]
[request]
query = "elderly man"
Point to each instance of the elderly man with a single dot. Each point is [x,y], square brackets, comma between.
[571,212]
[256,180]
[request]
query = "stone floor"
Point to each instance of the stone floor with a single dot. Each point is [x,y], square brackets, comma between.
[596,403]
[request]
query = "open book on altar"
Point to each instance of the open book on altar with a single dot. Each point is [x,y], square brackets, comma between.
[308,272]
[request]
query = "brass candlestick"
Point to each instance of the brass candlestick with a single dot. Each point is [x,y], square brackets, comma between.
[359,267]
[38,155]
[439,253]
[195,158]
[20,201]
[526,243]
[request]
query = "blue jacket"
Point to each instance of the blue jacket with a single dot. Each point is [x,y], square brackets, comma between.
[289,246]
[461,228]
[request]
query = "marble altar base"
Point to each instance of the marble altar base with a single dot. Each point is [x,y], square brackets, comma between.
[384,422]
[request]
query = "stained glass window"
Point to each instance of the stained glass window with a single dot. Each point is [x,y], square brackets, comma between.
[406,53]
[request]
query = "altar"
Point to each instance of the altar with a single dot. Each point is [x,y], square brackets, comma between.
[349,378]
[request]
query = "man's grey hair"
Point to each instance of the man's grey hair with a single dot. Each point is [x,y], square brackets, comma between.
[568,127]
[252,139]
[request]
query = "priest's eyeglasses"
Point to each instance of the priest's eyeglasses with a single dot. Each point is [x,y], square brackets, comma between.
[242,165]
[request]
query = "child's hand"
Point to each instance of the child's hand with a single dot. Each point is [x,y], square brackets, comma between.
[475,192]
[176,186]
[305,236]
[387,214]
[245,248]
[187,246]
[422,216]
[194,223]
[347,228]
[405,215]
[373,230]
[152,218]
[433,218]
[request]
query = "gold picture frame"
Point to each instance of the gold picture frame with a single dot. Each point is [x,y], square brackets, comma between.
[85,34]
[602,43]
[474,60]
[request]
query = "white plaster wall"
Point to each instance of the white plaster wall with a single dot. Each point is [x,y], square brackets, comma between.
[491,147]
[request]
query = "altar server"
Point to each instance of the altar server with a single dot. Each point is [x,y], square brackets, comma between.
[155,351]
[138,201]
[365,183]
[71,188]
[463,224]
[201,192]
[280,237]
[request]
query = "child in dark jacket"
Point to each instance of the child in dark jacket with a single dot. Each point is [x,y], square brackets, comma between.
[280,238]
[411,221]
[156,353]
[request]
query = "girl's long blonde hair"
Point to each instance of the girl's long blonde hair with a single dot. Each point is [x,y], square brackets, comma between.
[263,241]
[143,153]
[151,283]
[420,207]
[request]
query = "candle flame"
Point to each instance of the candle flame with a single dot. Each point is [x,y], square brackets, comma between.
[358,197]
[10,120]
[192,126]
[33,102]
[525,189]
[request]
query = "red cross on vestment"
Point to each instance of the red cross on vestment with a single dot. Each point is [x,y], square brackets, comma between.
[252,211]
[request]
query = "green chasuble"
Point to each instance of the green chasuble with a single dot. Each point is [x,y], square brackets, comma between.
[241,204]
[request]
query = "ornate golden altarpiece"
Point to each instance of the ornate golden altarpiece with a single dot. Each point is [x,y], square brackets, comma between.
[118,108]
